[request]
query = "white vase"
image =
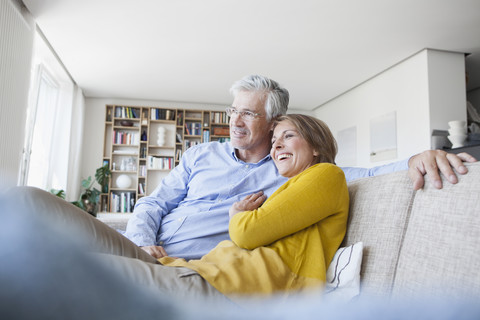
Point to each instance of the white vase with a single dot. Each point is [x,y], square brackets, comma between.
[457,140]
[123,181]
[160,136]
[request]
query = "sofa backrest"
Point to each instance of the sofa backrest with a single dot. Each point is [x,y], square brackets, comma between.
[441,246]
[417,242]
[379,207]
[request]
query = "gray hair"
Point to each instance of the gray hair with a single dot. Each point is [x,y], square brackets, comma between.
[277,97]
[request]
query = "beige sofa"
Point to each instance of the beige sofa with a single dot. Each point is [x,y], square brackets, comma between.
[416,243]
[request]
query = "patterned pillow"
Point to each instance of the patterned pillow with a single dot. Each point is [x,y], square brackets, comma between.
[343,274]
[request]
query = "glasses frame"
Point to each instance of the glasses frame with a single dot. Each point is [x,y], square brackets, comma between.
[245,115]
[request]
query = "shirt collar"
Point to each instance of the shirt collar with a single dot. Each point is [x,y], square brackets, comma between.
[234,155]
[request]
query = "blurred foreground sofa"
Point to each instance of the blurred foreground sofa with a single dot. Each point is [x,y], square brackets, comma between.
[421,260]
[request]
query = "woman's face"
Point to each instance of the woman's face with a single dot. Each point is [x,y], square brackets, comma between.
[290,152]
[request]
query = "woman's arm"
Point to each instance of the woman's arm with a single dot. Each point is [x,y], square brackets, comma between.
[304,200]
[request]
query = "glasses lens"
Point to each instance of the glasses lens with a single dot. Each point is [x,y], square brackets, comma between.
[248,115]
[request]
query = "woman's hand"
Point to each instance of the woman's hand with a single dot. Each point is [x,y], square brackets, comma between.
[155,251]
[251,202]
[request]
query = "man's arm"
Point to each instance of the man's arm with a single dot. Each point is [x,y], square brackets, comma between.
[430,162]
[145,222]
[354,173]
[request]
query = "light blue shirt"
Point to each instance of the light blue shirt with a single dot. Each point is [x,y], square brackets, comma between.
[187,213]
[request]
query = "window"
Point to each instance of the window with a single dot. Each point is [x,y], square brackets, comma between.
[42,135]
[49,115]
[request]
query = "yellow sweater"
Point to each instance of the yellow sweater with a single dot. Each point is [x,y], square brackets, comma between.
[286,244]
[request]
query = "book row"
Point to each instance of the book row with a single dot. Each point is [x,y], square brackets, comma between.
[193,128]
[142,171]
[143,152]
[161,163]
[219,117]
[141,188]
[126,112]
[123,137]
[122,201]
[178,155]
[206,135]
[224,139]
[162,114]
[191,143]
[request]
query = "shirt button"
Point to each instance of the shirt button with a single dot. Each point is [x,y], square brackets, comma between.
[246,166]
[160,243]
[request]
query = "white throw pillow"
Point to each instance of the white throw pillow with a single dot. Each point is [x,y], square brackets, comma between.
[343,274]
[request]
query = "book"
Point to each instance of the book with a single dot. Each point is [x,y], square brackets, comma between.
[206,135]
[179,118]
[178,155]
[179,137]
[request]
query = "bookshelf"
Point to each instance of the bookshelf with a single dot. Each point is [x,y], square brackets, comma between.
[142,144]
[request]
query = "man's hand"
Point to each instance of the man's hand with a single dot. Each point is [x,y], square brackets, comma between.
[431,161]
[155,251]
[251,202]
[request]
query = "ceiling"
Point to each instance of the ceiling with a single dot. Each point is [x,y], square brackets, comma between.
[192,51]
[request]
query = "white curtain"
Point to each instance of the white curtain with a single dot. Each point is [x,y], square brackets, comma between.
[74,165]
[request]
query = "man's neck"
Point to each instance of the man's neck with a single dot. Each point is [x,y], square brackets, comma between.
[249,156]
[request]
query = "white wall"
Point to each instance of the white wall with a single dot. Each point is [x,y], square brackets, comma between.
[425,91]
[447,88]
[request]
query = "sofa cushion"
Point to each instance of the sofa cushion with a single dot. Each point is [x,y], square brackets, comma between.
[441,249]
[343,274]
[379,209]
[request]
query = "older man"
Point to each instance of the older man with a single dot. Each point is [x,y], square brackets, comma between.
[187,214]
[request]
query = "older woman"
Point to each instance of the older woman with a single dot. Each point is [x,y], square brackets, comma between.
[286,243]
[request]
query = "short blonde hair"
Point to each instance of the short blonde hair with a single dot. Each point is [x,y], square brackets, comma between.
[316,133]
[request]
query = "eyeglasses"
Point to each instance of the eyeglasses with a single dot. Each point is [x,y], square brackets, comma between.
[245,115]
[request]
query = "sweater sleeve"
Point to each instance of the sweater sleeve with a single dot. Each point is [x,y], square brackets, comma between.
[313,195]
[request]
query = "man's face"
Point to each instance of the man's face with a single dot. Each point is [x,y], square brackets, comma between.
[250,135]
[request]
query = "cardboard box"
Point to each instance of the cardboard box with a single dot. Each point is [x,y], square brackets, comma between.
[221,131]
